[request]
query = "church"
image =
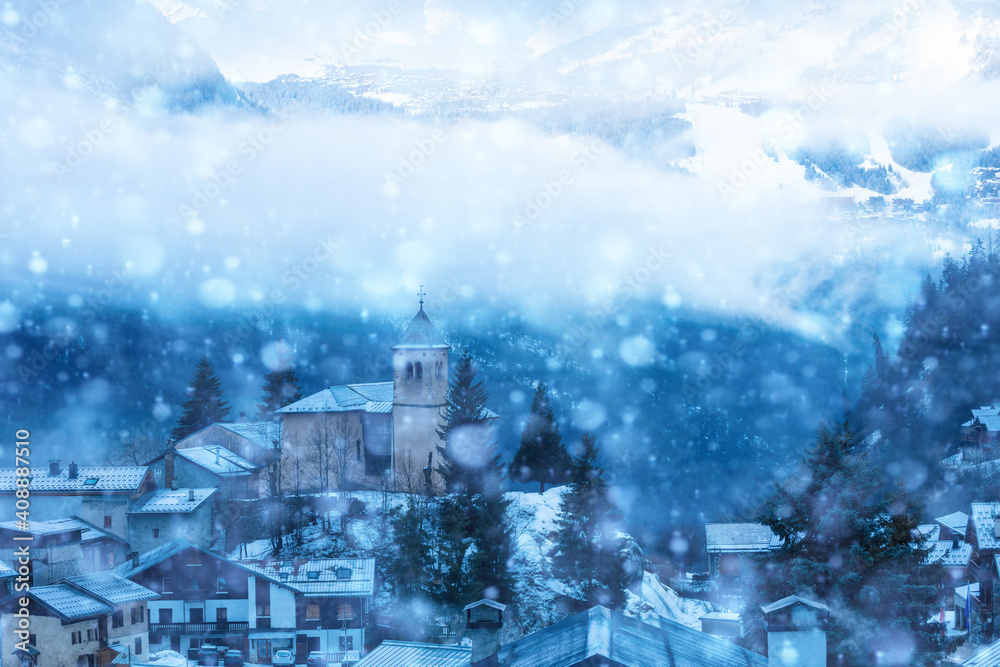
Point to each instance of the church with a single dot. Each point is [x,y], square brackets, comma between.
[363,433]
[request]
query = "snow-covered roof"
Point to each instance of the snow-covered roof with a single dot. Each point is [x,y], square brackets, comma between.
[412,654]
[171,501]
[320,577]
[218,460]
[6,571]
[988,657]
[69,603]
[930,532]
[942,552]
[88,531]
[97,479]
[793,600]
[983,520]
[369,397]
[962,592]
[111,588]
[262,434]
[421,334]
[958,522]
[602,633]
[739,537]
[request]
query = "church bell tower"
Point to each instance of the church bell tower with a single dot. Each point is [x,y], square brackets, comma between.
[419,389]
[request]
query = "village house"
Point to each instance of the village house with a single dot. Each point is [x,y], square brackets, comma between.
[73,620]
[208,466]
[207,599]
[955,523]
[163,515]
[100,495]
[256,442]
[333,603]
[62,547]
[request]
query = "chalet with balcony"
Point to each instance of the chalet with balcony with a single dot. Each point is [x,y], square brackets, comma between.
[333,602]
[163,515]
[74,620]
[100,495]
[258,607]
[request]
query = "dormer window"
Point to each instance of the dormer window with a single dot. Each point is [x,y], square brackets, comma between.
[283,576]
[90,481]
[312,576]
[343,573]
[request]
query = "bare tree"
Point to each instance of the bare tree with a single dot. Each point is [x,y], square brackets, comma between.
[333,448]
[134,448]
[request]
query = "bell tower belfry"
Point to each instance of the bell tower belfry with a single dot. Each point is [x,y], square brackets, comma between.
[419,388]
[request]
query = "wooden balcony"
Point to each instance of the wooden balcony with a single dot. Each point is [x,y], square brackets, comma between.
[198,628]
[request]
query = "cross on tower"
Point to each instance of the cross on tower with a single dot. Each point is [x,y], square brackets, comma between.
[421,295]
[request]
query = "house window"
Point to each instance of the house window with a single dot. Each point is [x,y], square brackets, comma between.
[166,616]
[345,612]
[156,533]
[136,615]
[90,635]
[168,585]
[221,585]
[347,643]
[197,615]
[75,637]
[221,615]
[312,612]
[107,520]
[118,619]
[263,610]
[138,645]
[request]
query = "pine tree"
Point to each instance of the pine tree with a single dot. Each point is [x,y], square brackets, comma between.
[488,572]
[849,543]
[541,457]
[586,552]
[280,388]
[465,430]
[204,405]
[409,569]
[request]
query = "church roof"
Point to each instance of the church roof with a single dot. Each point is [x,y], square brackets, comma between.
[421,335]
[370,397]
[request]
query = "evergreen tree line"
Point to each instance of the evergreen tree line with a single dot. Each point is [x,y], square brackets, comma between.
[848,518]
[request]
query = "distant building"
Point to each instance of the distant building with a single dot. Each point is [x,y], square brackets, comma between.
[100,495]
[163,515]
[728,545]
[256,442]
[208,466]
[981,435]
[955,523]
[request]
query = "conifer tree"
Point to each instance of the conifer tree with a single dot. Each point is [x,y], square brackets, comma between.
[585,553]
[541,457]
[488,572]
[465,430]
[847,542]
[204,405]
[409,570]
[281,388]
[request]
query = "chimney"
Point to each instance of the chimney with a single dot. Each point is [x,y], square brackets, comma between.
[243,416]
[955,540]
[134,557]
[54,468]
[796,632]
[72,469]
[168,467]
[996,524]
[483,621]
[190,495]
